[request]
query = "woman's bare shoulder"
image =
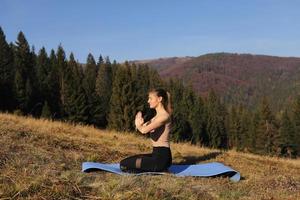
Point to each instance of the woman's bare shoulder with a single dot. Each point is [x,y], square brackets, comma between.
[164,117]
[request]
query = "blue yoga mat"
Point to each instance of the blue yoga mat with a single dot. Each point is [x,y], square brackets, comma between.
[201,170]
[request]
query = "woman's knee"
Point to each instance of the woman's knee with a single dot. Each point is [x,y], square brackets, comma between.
[124,165]
[128,163]
[124,162]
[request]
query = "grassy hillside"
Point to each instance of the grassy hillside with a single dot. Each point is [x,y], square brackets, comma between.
[40,159]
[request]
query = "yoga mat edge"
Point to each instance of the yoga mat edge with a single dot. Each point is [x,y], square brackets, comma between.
[199,170]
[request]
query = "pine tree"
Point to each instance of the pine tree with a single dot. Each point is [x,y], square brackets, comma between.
[100,63]
[142,87]
[115,119]
[245,141]
[286,141]
[6,74]
[20,92]
[296,122]
[266,130]
[24,75]
[181,129]
[122,102]
[34,99]
[234,128]
[137,100]
[215,125]
[154,79]
[61,67]
[90,73]
[238,135]
[46,112]
[253,128]
[29,95]
[43,75]
[89,84]
[103,92]
[76,102]
[43,68]
[80,112]
[114,68]
[193,106]
[54,102]
[130,98]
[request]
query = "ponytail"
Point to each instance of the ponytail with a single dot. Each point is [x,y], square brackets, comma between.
[169,106]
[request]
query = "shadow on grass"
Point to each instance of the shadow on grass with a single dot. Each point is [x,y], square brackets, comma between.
[189,160]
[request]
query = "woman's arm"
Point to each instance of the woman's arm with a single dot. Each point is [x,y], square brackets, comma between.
[146,128]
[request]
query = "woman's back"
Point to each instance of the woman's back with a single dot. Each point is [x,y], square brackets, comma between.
[161,135]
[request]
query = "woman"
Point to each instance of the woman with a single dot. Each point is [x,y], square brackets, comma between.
[159,128]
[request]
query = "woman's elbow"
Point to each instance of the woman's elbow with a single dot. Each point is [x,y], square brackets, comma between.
[143,131]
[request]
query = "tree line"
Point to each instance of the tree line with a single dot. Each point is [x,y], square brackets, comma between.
[108,95]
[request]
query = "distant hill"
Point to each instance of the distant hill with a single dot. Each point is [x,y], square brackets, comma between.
[238,78]
[41,159]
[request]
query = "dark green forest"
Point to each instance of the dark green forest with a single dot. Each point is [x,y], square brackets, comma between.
[108,95]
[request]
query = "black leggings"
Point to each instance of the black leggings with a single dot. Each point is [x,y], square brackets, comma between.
[159,160]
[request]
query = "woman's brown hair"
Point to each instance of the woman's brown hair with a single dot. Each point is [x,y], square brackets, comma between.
[166,98]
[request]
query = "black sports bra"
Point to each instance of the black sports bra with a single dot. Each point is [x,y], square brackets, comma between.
[155,135]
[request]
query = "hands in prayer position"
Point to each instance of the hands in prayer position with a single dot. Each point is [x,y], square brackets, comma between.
[139,121]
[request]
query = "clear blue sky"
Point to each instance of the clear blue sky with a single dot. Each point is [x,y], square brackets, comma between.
[140,29]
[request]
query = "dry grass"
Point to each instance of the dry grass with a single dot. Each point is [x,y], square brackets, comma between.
[41,159]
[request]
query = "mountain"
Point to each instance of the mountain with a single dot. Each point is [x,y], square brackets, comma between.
[237,78]
[41,159]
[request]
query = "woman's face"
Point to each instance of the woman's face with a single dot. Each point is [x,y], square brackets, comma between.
[153,99]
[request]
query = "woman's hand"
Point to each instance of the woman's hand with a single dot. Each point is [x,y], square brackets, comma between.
[139,121]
